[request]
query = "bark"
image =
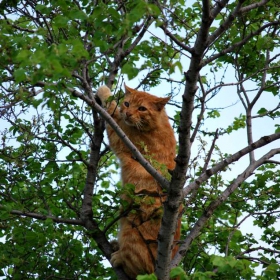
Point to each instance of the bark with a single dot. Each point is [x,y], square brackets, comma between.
[171,206]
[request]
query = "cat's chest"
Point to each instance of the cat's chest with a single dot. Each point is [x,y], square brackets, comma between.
[146,143]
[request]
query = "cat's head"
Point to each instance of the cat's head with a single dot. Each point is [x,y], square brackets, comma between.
[142,110]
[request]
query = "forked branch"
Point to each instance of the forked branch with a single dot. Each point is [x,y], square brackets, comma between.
[201,222]
[235,157]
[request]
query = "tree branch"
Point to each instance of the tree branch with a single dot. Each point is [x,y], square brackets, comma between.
[121,53]
[225,25]
[257,249]
[216,203]
[202,110]
[240,81]
[218,7]
[175,40]
[263,80]
[148,22]
[221,165]
[216,136]
[43,217]
[171,206]
[253,6]
[239,44]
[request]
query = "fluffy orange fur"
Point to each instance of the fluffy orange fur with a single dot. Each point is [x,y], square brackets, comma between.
[143,119]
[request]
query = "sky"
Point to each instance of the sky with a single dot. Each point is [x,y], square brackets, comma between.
[228,99]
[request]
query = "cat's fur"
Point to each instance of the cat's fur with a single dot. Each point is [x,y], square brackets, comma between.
[143,119]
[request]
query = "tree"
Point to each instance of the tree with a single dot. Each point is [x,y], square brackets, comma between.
[59,189]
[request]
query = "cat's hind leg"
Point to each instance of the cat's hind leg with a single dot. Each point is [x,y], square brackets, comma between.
[116,259]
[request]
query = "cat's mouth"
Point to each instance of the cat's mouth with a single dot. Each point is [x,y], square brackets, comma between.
[129,122]
[137,125]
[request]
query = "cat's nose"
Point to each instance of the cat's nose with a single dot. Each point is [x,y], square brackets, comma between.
[128,114]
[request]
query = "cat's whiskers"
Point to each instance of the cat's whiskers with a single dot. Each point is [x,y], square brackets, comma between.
[140,124]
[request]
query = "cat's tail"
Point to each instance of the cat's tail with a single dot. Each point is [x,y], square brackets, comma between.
[103,93]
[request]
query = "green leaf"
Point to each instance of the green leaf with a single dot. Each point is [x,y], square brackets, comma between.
[61,21]
[43,9]
[262,111]
[203,79]
[146,277]
[20,75]
[214,114]
[218,261]
[277,130]
[31,236]
[130,69]
[179,65]
[23,55]
[271,270]
[178,271]
[10,270]
[77,14]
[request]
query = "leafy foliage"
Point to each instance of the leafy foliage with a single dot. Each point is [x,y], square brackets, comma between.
[59,186]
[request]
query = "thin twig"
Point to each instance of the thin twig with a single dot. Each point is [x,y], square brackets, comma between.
[43,217]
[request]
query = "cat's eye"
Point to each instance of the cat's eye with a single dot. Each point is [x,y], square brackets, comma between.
[142,108]
[126,104]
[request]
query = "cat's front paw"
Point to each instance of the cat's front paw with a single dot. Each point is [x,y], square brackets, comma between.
[103,93]
[116,259]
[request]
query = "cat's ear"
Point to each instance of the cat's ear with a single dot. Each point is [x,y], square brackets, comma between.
[161,102]
[128,90]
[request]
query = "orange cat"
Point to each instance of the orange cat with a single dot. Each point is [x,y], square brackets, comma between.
[143,119]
